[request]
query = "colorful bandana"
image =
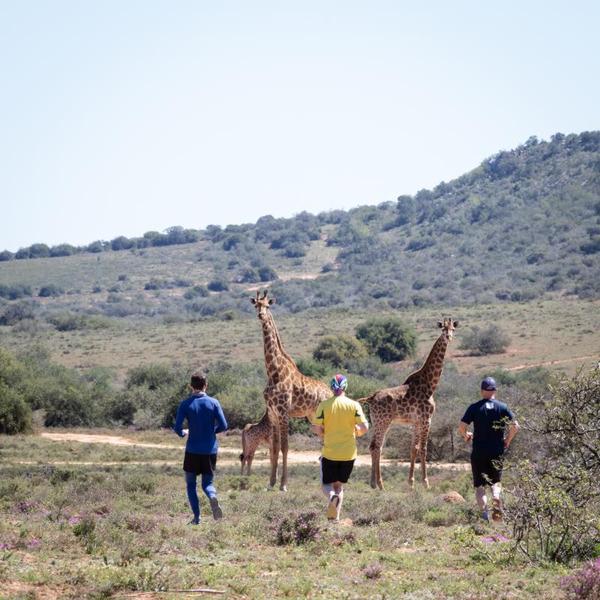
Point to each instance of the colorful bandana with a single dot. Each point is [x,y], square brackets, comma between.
[338,384]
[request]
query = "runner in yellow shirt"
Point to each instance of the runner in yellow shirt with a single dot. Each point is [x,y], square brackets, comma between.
[338,421]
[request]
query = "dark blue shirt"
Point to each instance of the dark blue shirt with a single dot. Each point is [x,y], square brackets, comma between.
[489,418]
[205,419]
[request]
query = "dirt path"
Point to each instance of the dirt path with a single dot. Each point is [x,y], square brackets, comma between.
[548,363]
[227,456]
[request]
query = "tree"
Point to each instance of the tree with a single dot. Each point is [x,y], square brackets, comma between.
[39,251]
[121,243]
[390,338]
[63,250]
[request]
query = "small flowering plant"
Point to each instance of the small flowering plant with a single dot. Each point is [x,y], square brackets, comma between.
[583,584]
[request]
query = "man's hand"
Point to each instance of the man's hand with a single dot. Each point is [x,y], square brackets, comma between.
[361,429]
[318,429]
[468,437]
[185,432]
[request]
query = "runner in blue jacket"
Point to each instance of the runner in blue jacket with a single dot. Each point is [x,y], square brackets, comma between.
[205,419]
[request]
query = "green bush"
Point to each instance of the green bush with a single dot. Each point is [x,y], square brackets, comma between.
[389,338]
[152,376]
[15,414]
[339,350]
[556,502]
[480,342]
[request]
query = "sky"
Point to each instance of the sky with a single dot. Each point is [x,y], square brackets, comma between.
[121,117]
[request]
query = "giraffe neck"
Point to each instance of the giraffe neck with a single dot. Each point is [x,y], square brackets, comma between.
[431,371]
[275,355]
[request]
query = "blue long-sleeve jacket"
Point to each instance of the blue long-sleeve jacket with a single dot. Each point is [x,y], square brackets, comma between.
[205,419]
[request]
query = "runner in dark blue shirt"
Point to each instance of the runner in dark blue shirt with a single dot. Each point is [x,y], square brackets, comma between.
[494,428]
[205,419]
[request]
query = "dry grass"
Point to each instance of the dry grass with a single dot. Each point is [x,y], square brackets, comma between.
[560,334]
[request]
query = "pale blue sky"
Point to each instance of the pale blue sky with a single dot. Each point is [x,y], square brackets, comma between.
[119,117]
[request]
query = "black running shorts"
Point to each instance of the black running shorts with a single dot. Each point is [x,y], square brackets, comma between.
[486,470]
[336,470]
[200,464]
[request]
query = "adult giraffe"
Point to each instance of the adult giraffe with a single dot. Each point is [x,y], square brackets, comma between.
[412,403]
[289,393]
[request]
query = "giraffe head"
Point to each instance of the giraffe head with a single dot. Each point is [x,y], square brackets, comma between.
[448,326]
[262,304]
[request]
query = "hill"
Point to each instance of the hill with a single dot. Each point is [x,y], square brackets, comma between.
[524,224]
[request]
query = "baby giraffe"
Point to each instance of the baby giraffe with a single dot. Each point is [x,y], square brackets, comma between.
[252,436]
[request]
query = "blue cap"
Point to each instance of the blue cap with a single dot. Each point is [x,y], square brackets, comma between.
[489,384]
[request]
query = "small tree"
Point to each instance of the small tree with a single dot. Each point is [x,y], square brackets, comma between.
[390,338]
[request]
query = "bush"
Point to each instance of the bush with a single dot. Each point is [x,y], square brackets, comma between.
[389,338]
[50,290]
[71,407]
[481,342]
[152,376]
[67,321]
[298,528]
[555,506]
[15,414]
[17,312]
[338,350]
[583,584]
[267,274]
[218,285]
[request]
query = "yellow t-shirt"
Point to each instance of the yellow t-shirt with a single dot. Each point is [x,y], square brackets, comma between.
[339,415]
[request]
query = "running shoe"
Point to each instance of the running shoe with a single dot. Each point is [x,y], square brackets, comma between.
[496,509]
[216,509]
[332,507]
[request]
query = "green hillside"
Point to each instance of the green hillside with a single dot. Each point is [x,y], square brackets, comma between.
[524,224]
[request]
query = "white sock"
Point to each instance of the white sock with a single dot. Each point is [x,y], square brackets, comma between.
[481,497]
[496,489]
[339,506]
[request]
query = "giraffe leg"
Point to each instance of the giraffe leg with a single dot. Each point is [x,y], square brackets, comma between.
[413,456]
[283,431]
[274,456]
[423,438]
[376,446]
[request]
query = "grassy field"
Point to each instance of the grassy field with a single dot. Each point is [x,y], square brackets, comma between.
[117,529]
[561,334]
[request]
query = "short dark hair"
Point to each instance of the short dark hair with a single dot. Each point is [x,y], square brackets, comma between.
[198,380]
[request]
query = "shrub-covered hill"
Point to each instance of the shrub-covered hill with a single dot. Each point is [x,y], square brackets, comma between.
[524,224]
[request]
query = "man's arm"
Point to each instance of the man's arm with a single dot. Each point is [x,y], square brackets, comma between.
[318,429]
[221,421]
[513,428]
[462,430]
[179,422]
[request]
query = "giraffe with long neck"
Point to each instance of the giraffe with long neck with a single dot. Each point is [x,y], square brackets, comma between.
[289,393]
[252,436]
[411,403]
